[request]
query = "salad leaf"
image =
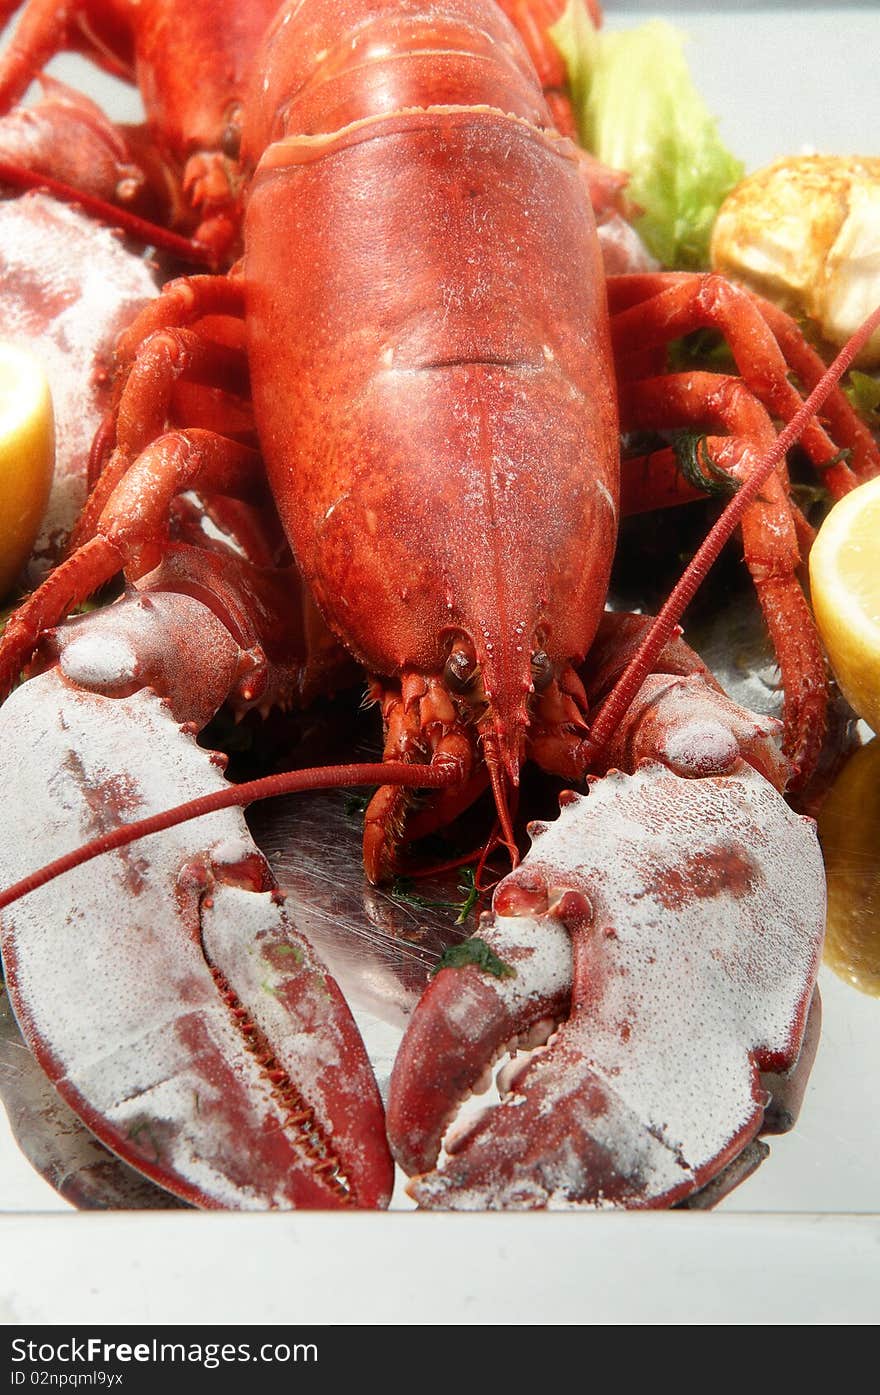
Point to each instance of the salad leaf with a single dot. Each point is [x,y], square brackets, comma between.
[638,110]
[863,392]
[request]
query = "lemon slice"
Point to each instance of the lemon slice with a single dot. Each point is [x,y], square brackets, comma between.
[845,582]
[27,455]
[849,832]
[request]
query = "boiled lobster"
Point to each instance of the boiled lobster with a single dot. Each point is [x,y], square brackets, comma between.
[436,411]
[180,167]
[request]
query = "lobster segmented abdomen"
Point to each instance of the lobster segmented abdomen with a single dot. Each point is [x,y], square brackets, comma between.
[326,66]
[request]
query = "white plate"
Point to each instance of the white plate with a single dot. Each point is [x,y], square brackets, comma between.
[779,80]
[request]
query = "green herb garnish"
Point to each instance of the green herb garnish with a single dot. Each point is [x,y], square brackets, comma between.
[474,951]
[403,889]
[698,467]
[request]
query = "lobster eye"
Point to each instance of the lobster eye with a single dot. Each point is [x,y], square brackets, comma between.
[542,671]
[230,141]
[461,668]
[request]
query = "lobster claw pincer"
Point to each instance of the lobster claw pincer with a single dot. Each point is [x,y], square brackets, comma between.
[667,910]
[164,989]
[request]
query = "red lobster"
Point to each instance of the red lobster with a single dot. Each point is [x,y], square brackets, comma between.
[434,404]
[181,166]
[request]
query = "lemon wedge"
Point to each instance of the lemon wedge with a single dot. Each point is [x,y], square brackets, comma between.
[845,583]
[849,832]
[27,456]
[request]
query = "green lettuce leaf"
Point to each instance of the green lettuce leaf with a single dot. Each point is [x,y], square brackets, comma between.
[863,391]
[638,110]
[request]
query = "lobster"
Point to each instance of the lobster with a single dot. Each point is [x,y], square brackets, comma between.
[420,402]
[181,166]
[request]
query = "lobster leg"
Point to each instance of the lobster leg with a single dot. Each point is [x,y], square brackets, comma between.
[176,1008]
[41,33]
[146,403]
[850,433]
[181,303]
[65,142]
[168,356]
[650,310]
[160,358]
[131,533]
[769,534]
[127,523]
[623,893]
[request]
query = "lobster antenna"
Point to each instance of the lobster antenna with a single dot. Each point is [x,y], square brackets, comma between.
[444,770]
[151,234]
[634,675]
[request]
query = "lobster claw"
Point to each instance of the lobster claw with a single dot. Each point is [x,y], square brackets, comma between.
[164,990]
[664,909]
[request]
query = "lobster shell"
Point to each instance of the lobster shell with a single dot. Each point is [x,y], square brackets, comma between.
[463,362]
